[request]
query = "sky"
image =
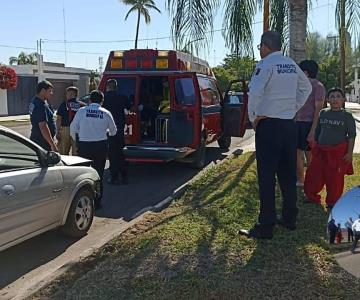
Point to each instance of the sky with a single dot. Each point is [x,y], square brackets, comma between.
[347,206]
[24,22]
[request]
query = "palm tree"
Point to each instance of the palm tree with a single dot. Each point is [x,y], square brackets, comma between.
[142,7]
[23,59]
[298,10]
[193,21]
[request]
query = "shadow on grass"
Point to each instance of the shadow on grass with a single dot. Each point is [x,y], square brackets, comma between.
[194,252]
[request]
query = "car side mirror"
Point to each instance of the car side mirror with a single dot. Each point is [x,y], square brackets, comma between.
[53,158]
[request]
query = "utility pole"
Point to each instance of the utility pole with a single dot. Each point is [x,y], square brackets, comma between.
[64,21]
[342,44]
[40,61]
[266,23]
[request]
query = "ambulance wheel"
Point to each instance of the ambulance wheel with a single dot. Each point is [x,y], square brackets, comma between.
[199,156]
[224,142]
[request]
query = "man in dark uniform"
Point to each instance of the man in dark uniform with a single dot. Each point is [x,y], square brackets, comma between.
[116,103]
[65,114]
[278,89]
[42,117]
[92,124]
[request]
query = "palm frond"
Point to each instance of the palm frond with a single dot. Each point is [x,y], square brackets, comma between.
[237,25]
[151,6]
[133,9]
[279,19]
[145,12]
[192,22]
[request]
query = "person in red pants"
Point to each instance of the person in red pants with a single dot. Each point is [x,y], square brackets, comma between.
[338,234]
[332,151]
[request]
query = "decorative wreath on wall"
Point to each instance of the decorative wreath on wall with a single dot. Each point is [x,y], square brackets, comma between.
[8,78]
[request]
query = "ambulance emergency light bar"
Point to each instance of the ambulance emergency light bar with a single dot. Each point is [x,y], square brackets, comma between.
[156,60]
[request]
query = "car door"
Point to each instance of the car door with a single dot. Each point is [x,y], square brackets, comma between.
[211,108]
[235,109]
[185,118]
[29,191]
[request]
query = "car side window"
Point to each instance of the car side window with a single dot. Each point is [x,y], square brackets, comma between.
[185,91]
[16,155]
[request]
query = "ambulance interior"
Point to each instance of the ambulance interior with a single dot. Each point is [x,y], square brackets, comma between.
[154,109]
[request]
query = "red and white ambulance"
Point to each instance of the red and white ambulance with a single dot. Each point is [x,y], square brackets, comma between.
[178,107]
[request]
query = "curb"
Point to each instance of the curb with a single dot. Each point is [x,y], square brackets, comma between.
[135,219]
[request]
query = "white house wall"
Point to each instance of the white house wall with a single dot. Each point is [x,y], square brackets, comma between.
[3,103]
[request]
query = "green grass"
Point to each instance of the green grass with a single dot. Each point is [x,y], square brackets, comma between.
[192,250]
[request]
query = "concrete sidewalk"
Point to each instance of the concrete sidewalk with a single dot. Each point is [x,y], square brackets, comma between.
[20,118]
[349,261]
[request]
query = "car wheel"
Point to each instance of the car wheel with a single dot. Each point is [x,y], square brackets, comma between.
[224,142]
[80,215]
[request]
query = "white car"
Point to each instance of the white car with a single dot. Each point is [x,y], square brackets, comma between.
[41,190]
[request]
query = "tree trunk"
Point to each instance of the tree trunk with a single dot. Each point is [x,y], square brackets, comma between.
[266,15]
[298,21]
[137,29]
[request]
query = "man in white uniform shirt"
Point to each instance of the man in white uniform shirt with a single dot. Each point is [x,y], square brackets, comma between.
[356,231]
[278,89]
[92,124]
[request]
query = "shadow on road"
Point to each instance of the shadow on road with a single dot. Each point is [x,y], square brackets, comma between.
[23,258]
[149,184]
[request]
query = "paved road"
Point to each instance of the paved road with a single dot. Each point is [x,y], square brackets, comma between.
[32,260]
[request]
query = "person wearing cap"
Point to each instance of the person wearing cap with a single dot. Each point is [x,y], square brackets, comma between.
[92,124]
[64,116]
[116,103]
[332,153]
[42,117]
[356,231]
[306,118]
[278,89]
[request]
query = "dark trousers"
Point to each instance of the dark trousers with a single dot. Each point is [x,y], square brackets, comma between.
[275,142]
[96,151]
[357,238]
[332,237]
[116,156]
[350,235]
[41,142]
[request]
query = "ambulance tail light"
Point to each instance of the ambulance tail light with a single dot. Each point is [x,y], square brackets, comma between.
[116,63]
[162,63]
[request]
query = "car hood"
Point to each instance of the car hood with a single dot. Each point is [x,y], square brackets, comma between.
[75,160]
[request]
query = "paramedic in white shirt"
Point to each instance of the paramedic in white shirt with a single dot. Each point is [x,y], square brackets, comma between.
[356,231]
[278,89]
[92,124]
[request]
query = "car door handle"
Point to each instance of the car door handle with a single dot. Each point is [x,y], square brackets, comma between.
[8,189]
[57,190]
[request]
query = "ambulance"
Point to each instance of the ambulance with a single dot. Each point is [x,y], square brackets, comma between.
[177,106]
